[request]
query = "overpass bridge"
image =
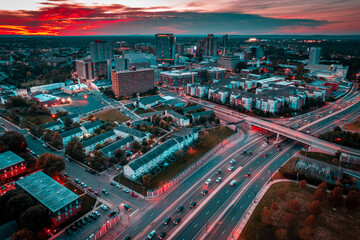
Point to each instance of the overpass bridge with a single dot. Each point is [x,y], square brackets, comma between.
[302,137]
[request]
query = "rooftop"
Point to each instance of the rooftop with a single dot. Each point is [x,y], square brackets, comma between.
[8,159]
[71,116]
[199,114]
[90,125]
[51,124]
[151,99]
[46,97]
[176,114]
[70,132]
[116,145]
[98,138]
[47,191]
[187,109]
[131,131]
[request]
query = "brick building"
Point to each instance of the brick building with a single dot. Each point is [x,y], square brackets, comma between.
[11,165]
[126,83]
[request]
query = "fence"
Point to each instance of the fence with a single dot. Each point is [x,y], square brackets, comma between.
[104,228]
[157,192]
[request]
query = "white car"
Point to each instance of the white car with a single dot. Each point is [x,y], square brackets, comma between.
[231,168]
[208,181]
[218,179]
[232,183]
[232,161]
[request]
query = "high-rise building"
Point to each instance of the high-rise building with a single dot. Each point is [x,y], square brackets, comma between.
[85,69]
[225,41]
[253,52]
[210,45]
[165,48]
[128,82]
[179,48]
[314,56]
[101,50]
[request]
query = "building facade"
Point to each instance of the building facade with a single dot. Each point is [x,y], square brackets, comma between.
[165,48]
[11,165]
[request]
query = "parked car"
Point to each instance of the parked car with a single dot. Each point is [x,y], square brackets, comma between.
[73,227]
[105,191]
[112,213]
[88,219]
[243,152]
[97,213]
[90,189]
[77,181]
[113,183]
[93,216]
[78,224]
[127,207]
[104,207]
[83,184]
[96,193]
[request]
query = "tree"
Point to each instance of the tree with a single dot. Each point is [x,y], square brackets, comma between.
[68,123]
[266,216]
[136,146]
[305,233]
[336,196]
[287,219]
[310,221]
[320,192]
[178,154]
[57,141]
[34,218]
[281,234]
[302,184]
[75,125]
[282,193]
[146,178]
[17,205]
[70,148]
[274,206]
[144,149]
[119,153]
[48,136]
[23,234]
[50,163]
[240,65]
[352,199]
[315,208]
[293,205]
[14,141]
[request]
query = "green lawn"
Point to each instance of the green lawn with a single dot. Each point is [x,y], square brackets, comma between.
[140,111]
[111,116]
[216,135]
[44,118]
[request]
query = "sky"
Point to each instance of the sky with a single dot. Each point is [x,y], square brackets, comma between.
[181,17]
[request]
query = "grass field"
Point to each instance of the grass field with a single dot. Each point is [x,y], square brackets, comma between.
[140,111]
[353,126]
[332,224]
[111,116]
[44,118]
[215,136]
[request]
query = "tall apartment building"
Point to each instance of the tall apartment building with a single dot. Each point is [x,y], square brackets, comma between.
[225,41]
[165,48]
[101,50]
[128,82]
[179,48]
[85,69]
[314,56]
[210,45]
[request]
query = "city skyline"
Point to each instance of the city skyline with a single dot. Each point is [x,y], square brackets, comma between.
[79,17]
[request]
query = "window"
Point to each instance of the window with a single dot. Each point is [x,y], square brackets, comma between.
[59,218]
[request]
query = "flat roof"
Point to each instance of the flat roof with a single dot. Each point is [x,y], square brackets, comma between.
[150,99]
[46,97]
[47,191]
[8,159]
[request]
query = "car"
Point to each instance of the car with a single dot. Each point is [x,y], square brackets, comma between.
[193,204]
[104,207]
[232,183]
[118,186]
[88,170]
[112,213]
[152,234]
[96,193]
[113,183]
[127,237]
[162,235]
[96,213]
[83,222]
[231,168]
[78,224]
[218,179]
[88,219]
[83,184]
[335,117]
[204,192]
[180,208]
[126,190]
[73,227]
[66,175]
[232,161]
[176,221]
[90,189]
[167,220]
[247,175]
[127,207]
[77,181]
[308,131]
[93,216]
[218,172]
[277,145]
[243,152]
[264,155]
[249,153]
[265,143]
[208,181]
[279,149]
[105,191]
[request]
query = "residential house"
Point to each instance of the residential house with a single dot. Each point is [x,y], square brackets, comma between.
[90,144]
[68,135]
[89,128]
[180,119]
[123,144]
[123,131]
[53,126]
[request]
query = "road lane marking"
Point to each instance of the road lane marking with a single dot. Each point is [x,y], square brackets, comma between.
[207,212]
[195,226]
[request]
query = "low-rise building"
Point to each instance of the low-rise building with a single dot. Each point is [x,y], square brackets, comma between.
[192,108]
[11,165]
[53,126]
[159,154]
[123,144]
[47,88]
[123,132]
[46,100]
[180,119]
[74,117]
[149,102]
[178,78]
[90,144]
[198,115]
[89,128]
[60,202]
[68,135]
